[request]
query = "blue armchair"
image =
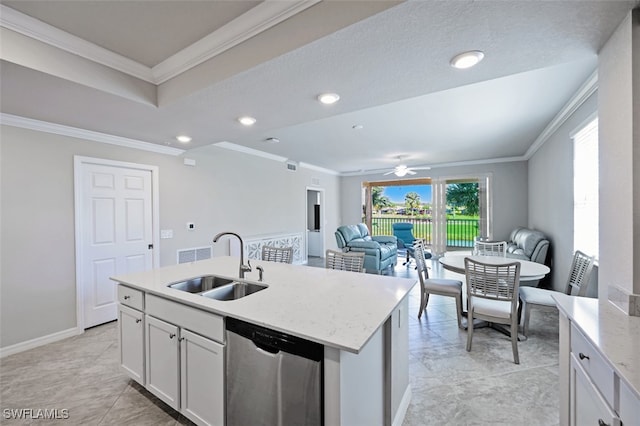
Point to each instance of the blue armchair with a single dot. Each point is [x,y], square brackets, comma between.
[380,252]
[403,231]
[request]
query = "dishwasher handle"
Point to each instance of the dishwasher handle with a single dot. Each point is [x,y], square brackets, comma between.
[265,342]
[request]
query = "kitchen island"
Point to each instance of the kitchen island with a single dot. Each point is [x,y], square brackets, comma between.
[360,319]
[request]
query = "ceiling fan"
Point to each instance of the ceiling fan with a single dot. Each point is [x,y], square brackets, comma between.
[403,170]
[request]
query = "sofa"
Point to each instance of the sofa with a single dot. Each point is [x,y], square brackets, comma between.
[527,244]
[380,252]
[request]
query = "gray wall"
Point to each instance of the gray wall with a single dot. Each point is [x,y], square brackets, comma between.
[551,192]
[509,193]
[226,190]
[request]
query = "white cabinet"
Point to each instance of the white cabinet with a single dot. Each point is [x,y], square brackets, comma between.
[131,340]
[185,369]
[588,406]
[202,379]
[163,379]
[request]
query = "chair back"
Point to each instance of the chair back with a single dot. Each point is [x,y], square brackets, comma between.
[580,274]
[421,264]
[493,281]
[349,261]
[403,231]
[277,254]
[490,248]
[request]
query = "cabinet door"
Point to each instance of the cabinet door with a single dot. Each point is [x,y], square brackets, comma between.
[202,379]
[131,339]
[588,407]
[163,368]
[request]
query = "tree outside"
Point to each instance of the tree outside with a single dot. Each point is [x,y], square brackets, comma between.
[412,202]
[464,198]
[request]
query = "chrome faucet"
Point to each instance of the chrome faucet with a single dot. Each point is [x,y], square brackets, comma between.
[243,268]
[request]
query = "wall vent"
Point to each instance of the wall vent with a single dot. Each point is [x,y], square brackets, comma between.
[315,181]
[292,166]
[194,254]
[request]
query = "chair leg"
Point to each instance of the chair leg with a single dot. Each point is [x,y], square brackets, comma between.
[424,299]
[514,339]
[469,329]
[459,310]
[526,309]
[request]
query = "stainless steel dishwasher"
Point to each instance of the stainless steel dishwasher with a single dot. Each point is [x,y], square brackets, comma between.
[273,379]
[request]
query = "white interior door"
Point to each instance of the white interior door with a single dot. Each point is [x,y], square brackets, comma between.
[116,220]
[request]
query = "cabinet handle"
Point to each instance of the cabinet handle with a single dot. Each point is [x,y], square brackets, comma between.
[172,335]
[127,297]
[583,356]
[180,339]
[602,423]
[138,320]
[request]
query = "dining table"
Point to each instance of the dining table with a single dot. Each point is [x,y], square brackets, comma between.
[529,271]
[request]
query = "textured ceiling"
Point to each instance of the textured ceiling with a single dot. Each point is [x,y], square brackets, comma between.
[389,62]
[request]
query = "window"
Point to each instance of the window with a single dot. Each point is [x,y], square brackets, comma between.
[585,189]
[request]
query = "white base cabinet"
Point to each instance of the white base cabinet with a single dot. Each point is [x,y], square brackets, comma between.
[588,406]
[163,378]
[176,352]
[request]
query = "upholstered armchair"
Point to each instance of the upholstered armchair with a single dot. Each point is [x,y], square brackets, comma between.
[380,252]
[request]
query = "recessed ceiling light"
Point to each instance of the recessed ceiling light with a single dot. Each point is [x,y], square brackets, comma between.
[272,140]
[328,98]
[357,127]
[467,59]
[247,121]
[183,138]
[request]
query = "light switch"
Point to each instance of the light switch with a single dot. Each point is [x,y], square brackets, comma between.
[166,233]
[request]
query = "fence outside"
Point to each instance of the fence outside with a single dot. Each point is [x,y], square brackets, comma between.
[460,232]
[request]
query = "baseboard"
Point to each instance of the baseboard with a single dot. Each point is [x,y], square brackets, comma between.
[39,341]
[403,407]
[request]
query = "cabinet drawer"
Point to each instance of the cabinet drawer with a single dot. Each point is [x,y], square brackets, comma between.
[199,321]
[131,297]
[593,364]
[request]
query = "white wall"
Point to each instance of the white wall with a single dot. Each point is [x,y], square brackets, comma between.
[619,134]
[551,192]
[226,190]
[509,193]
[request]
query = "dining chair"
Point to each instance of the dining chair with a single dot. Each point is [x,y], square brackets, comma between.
[577,284]
[345,261]
[492,296]
[439,286]
[277,254]
[490,248]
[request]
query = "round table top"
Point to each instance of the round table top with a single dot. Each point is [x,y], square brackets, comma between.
[529,271]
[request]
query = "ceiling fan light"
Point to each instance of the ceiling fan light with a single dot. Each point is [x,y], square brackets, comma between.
[467,59]
[247,120]
[328,98]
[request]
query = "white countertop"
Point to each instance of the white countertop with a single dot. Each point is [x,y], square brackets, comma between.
[614,333]
[336,308]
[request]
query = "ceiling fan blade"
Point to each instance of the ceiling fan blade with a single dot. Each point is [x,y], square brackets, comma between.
[389,172]
[411,172]
[421,168]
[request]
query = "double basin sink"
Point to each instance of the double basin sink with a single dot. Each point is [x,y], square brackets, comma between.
[218,288]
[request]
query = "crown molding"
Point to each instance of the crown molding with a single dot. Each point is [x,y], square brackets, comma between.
[262,17]
[250,151]
[45,33]
[587,89]
[59,129]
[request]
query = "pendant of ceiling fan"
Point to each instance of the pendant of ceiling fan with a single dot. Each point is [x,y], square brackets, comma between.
[402,170]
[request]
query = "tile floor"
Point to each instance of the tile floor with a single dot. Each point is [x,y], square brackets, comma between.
[450,385]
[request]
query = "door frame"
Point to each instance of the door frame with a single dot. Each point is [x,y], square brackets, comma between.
[78,163]
[322,217]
